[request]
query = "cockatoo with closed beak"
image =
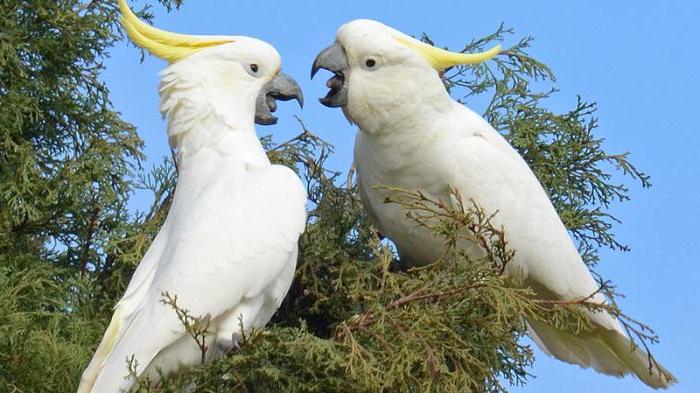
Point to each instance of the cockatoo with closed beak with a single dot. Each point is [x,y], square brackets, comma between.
[228,247]
[414,136]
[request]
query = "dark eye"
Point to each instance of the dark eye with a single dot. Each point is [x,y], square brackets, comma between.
[254,67]
[370,63]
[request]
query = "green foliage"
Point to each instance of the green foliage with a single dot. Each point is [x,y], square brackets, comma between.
[66,160]
[352,321]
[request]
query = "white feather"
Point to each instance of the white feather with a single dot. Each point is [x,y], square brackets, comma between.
[228,246]
[415,137]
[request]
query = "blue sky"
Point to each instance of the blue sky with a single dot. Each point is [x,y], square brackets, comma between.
[636,59]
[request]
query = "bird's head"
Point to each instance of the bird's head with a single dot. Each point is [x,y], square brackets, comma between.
[378,70]
[231,75]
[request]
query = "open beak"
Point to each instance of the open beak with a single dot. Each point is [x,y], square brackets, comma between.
[282,88]
[334,60]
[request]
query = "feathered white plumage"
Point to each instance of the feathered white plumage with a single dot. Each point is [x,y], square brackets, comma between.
[414,136]
[228,246]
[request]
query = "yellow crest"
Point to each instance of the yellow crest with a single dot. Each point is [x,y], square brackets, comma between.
[441,59]
[164,44]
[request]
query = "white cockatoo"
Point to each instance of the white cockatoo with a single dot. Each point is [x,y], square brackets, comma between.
[414,136]
[228,247]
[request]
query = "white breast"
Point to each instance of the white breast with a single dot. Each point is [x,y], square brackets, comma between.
[380,163]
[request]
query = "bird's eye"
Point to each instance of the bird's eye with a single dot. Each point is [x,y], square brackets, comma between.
[370,63]
[254,67]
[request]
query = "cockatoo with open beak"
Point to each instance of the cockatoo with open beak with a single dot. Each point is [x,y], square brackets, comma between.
[414,136]
[228,247]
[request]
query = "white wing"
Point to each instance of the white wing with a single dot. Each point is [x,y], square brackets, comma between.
[501,181]
[489,170]
[228,240]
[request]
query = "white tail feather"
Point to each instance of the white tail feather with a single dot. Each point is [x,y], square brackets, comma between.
[606,351]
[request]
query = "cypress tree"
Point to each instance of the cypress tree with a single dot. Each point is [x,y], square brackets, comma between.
[352,321]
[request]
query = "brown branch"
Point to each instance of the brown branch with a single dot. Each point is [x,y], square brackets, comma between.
[196,327]
[175,163]
[92,226]
[576,301]
[369,318]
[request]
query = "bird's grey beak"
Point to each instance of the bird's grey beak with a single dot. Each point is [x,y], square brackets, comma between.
[334,60]
[283,88]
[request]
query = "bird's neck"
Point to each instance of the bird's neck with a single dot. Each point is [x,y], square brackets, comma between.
[207,120]
[404,148]
[408,127]
[220,144]
[414,106]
